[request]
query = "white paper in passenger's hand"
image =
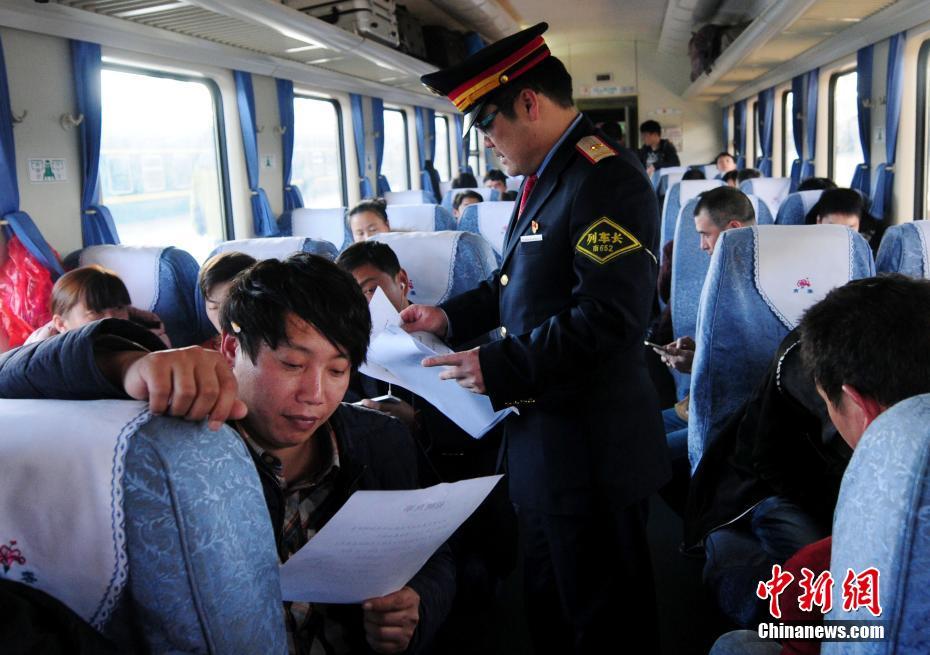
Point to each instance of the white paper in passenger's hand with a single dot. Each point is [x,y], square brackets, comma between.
[378,541]
[394,356]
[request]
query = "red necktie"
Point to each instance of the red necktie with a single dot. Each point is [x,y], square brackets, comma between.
[527,190]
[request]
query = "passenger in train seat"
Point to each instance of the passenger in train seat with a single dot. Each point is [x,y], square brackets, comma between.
[816,184]
[720,209]
[785,444]
[462,200]
[449,454]
[367,218]
[293,333]
[497,180]
[91,293]
[845,207]
[725,163]
[734,178]
[464,180]
[655,152]
[215,280]
[694,174]
[613,131]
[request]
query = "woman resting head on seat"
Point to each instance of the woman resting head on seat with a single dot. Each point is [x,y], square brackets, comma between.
[91,293]
[367,218]
[216,278]
[839,207]
[462,200]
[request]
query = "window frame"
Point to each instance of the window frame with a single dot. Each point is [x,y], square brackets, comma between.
[403,113]
[342,139]
[923,103]
[831,117]
[219,123]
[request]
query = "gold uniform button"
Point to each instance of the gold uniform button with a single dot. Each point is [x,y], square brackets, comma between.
[503,331]
[504,280]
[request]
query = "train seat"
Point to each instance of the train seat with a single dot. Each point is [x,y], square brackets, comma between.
[771,190]
[160,280]
[666,180]
[278,247]
[904,249]
[441,264]
[886,488]
[764,216]
[796,206]
[658,174]
[760,281]
[420,218]
[484,192]
[162,535]
[322,225]
[490,220]
[677,197]
[711,172]
[412,197]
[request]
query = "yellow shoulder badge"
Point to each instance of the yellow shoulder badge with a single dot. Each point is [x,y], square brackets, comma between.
[594,148]
[605,240]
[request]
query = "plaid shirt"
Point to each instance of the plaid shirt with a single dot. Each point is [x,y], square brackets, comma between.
[308,632]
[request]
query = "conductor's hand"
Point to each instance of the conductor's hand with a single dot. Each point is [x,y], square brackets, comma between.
[192,383]
[425,318]
[679,354]
[463,367]
[390,620]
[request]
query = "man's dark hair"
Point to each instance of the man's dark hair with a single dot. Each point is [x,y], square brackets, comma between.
[694,174]
[724,204]
[731,176]
[459,197]
[747,174]
[650,127]
[550,78]
[375,253]
[376,206]
[222,268]
[465,180]
[872,334]
[496,176]
[837,201]
[816,184]
[309,286]
[613,130]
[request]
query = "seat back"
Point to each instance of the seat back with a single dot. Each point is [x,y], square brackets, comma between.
[419,218]
[904,249]
[167,539]
[763,215]
[441,265]
[666,180]
[677,197]
[322,225]
[278,247]
[661,185]
[796,207]
[486,193]
[882,521]
[771,190]
[514,183]
[412,197]
[711,172]
[490,220]
[160,280]
[760,281]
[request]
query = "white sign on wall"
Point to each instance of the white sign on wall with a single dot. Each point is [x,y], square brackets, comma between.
[599,90]
[47,169]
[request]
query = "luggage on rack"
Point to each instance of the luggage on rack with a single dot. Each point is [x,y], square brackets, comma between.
[372,19]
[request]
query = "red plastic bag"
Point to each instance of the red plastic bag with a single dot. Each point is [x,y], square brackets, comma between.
[25,292]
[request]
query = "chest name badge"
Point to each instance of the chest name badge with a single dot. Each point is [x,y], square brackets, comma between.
[604,240]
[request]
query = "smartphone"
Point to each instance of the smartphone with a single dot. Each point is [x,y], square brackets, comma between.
[387,398]
[654,345]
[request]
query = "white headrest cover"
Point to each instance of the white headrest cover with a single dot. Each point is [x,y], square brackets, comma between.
[322,224]
[693,188]
[772,191]
[923,230]
[809,199]
[137,267]
[485,192]
[493,219]
[414,197]
[797,265]
[62,465]
[412,218]
[265,248]
[428,258]
[513,183]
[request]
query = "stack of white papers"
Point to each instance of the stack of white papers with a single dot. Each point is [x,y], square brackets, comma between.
[378,541]
[394,356]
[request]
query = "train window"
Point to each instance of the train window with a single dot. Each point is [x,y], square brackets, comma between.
[317,167]
[788,150]
[162,172]
[845,150]
[396,164]
[442,161]
[756,142]
[474,152]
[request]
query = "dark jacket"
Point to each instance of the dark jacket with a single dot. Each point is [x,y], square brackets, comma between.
[781,443]
[376,452]
[575,309]
[665,154]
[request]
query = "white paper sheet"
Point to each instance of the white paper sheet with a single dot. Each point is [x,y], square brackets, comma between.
[395,356]
[378,541]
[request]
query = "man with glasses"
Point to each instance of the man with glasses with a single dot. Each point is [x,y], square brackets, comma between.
[571,302]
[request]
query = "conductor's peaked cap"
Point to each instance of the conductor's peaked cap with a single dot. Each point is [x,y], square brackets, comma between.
[469,83]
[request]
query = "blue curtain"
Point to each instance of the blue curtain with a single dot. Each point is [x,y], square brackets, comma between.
[358,130]
[377,125]
[862,179]
[97,226]
[426,145]
[766,106]
[460,143]
[739,132]
[726,128]
[473,43]
[263,222]
[884,184]
[292,198]
[797,124]
[810,122]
